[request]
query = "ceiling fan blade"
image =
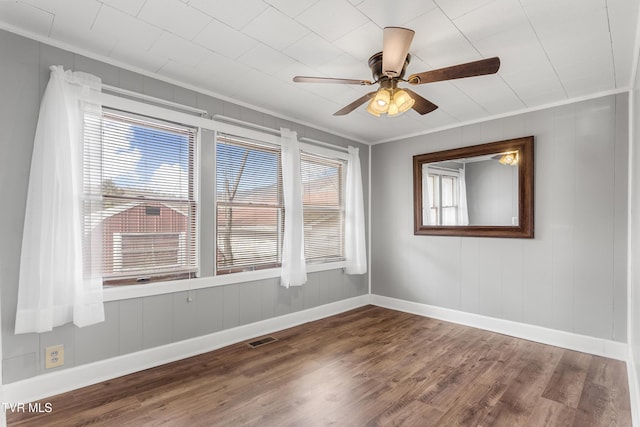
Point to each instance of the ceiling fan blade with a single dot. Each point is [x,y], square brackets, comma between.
[470,69]
[422,105]
[355,104]
[395,47]
[304,79]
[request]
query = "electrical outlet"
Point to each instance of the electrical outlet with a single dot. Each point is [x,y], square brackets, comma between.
[54,356]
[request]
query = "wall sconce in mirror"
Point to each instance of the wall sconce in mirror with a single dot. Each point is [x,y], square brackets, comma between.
[483,191]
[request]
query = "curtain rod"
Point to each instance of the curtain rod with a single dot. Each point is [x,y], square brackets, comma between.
[326,144]
[242,123]
[275,131]
[154,100]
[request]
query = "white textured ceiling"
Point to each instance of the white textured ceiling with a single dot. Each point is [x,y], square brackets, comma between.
[551,51]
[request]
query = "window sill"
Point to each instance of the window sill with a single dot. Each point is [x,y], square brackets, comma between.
[116,293]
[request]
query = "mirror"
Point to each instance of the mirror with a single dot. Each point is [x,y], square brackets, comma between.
[484,190]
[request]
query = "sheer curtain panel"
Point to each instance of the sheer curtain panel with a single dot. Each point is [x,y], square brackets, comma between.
[294,270]
[55,284]
[355,249]
[427,198]
[463,212]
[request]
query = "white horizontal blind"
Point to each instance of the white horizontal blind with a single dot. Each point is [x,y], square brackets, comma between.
[249,204]
[323,204]
[145,213]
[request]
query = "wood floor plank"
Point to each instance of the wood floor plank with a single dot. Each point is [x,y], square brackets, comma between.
[514,408]
[605,396]
[409,413]
[597,408]
[611,374]
[550,413]
[565,386]
[370,366]
[460,369]
[475,403]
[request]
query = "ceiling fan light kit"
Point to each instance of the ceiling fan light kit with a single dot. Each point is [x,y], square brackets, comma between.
[403,101]
[388,68]
[372,111]
[380,102]
[391,102]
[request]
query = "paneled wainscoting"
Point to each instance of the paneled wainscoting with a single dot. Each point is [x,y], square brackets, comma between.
[368,366]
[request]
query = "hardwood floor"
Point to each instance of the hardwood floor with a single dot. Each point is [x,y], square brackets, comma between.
[369,366]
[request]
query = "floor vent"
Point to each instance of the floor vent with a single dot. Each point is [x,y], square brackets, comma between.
[262,341]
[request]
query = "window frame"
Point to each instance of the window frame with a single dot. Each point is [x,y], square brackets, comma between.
[115,293]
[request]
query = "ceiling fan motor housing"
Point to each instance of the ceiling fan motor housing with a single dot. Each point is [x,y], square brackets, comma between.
[375,64]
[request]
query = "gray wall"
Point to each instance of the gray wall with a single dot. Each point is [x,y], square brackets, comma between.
[571,277]
[140,323]
[492,193]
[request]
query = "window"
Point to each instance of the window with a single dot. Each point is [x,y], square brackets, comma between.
[444,197]
[250,209]
[323,204]
[249,203]
[143,210]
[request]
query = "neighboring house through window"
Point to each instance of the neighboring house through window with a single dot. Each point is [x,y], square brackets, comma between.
[144,209]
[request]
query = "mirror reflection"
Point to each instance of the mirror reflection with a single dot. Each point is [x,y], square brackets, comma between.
[484,190]
[481,190]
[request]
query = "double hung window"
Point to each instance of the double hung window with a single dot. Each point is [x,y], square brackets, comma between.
[249,205]
[142,206]
[323,207]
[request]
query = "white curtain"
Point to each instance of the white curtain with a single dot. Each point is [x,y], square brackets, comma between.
[294,268]
[427,194]
[53,288]
[355,248]
[463,210]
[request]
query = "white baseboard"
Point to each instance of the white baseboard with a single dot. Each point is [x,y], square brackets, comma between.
[50,384]
[583,343]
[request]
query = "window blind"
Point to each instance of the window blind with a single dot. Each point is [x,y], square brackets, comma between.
[143,210]
[249,204]
[323,205]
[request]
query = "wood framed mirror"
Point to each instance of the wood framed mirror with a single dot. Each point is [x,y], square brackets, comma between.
[483,190]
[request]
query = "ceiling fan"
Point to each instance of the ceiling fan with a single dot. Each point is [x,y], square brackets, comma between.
[388,68]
